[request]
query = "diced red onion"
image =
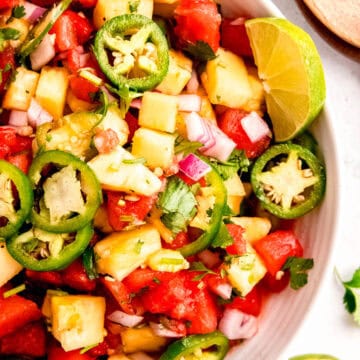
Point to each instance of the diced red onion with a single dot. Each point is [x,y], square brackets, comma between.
[223,146]
[193,84]
[37,114]
[195,127]
[44,52]
[209,259]
[189,102]
[255,127]
[239,21]
[136,103]
[83,59]
[224,290]
[236,324]
[125,319]
[32,12]
[216,143]
[18,118]
[161,330]
[193,167]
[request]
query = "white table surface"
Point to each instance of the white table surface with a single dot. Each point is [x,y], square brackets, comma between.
[328,328]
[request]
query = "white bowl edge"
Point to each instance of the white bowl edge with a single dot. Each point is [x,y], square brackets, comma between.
[284,313]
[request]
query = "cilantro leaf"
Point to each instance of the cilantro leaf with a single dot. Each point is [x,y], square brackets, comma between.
[178,204]
[8,34]
[201,50]
[298,267]
[223,238]
[185,146]
[126,96]
[18,12]
[351,297]
[199,266]
[134,5]
[237,162]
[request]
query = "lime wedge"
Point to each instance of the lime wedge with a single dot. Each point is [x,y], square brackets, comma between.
[291,70]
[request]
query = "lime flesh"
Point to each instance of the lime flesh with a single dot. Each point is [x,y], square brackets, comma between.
[291,70]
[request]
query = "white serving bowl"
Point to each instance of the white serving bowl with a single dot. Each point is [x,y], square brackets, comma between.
[283,313]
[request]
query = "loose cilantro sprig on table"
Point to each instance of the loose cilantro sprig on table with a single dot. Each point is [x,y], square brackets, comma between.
[351,297]
[298,271]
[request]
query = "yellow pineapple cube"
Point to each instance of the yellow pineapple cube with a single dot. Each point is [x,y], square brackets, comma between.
[120,253]
[165,8]
[155,146]
[226,80]
[235,193]
[255,228]
[52,89]
[20,91]
[106,10]
[245,271]
[141,339]
[179,73]
[78,320]
[158,111]
[9,266]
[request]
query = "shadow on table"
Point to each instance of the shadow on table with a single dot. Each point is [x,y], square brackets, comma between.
[337,43]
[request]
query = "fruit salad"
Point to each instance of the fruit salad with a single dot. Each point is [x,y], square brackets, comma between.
[154,159]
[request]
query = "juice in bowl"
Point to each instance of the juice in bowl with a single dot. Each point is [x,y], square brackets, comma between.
[154,203]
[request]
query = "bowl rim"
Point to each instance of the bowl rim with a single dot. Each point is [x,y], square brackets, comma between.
[324,120]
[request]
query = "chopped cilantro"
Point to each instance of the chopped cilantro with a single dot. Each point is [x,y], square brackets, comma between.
[156,280]
[134,5]
[139,160]
[351,297]
[298,267]
[200,51]
[8,34]
[199,266]
[237,162]
[18,12]
[223,238]
[185,146]
[177,203]
[138,246]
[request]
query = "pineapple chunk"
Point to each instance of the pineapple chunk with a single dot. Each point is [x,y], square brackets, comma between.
[113,120]
[78,320]
[167,260]
[101,220]
[165,118]
[226,80]
[165,8]
[206,200]
[255,228]
[22,25]
[73,133]
[106,10]
[122,252]
[141,339]
[257,101]
[236,192]
[46,305]
[119,171]
[155,146]
[9,266]
[52,89]
[76,104]
[179,73]
[20,91]
[245,271]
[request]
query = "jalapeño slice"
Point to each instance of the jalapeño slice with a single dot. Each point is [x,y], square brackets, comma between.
[289,180]
[40,250]
[132,51]
[16,198]
[67,192]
